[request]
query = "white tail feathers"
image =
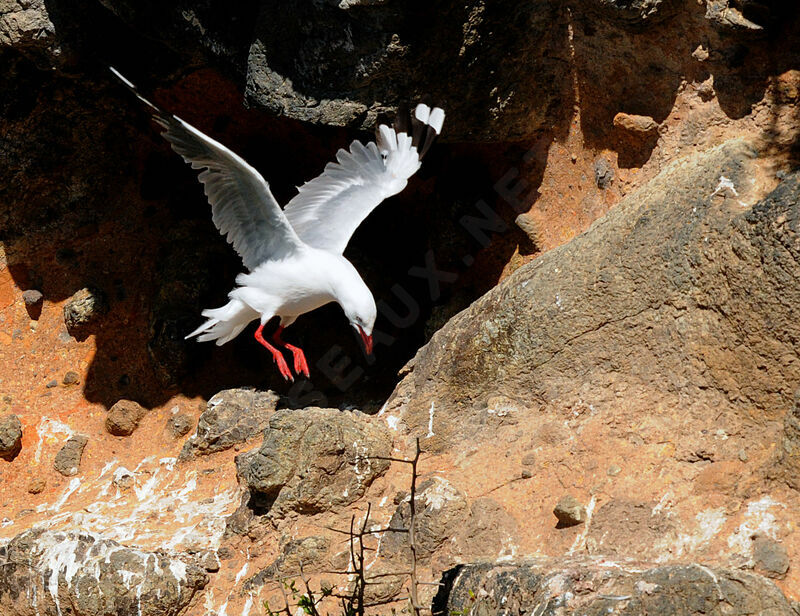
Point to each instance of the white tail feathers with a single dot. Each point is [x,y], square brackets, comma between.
[225,323]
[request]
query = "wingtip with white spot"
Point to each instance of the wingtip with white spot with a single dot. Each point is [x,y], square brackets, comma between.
[122,78]
[422,113]
[436,119]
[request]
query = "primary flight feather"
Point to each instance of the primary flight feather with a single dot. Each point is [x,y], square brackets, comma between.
[294,256]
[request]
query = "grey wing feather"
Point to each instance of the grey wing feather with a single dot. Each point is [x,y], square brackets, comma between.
[242,205]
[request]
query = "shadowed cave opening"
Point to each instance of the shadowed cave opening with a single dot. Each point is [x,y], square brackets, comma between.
[122,214]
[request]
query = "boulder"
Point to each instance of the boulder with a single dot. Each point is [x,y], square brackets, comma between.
[575,586]
[85,574]
[314,459]
[232,416]
[10,437]
[681,297]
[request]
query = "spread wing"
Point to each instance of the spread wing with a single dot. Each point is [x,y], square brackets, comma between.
[242,205]
[328,209]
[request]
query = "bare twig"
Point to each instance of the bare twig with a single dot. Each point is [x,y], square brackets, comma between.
[412,534]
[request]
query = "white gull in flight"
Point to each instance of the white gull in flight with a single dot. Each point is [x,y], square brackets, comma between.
[294,256]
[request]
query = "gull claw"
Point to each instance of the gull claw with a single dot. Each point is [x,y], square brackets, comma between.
[276,355]
[300,364]
[283,367]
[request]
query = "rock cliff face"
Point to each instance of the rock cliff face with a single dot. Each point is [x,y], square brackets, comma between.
[590,291]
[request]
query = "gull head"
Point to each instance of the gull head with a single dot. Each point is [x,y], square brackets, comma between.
[359,308]
[362,319]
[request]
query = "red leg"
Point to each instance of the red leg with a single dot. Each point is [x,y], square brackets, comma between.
[276,355]
[300,364]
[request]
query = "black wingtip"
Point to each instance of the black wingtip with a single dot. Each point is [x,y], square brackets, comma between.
[157,112]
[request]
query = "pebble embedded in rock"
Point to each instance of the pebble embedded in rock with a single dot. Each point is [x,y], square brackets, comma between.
[770,557]
[10,437]
[68,459]
[70,378]
[569,511]
[124,481]
[529,460]
[179,425]
[52,384]
[603,173]
[37,485]
[700,54]
[124,417]
[208,560]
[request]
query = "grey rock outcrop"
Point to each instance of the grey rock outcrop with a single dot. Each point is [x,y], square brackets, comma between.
[441,511]
[10,437]
[315,459]
[633,589]
[305,554]
[718,279]
[84,574]
[231,416]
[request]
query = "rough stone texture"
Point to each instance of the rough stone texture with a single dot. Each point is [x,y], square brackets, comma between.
[83,308]
[770,557]
[569,511]
[595,587]
[441,510]
[25,24]
[32,297]
[180,425]
[693,285]
[10,437]
[350,61]
[789,453]
[314,459]
[124,417]
[449,530]
[37,485]
[748,16]
[306,554]
[68,458]
[84,574]
[634,12]
[231,417]
[90,193]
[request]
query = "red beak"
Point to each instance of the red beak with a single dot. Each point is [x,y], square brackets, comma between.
[367,340]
